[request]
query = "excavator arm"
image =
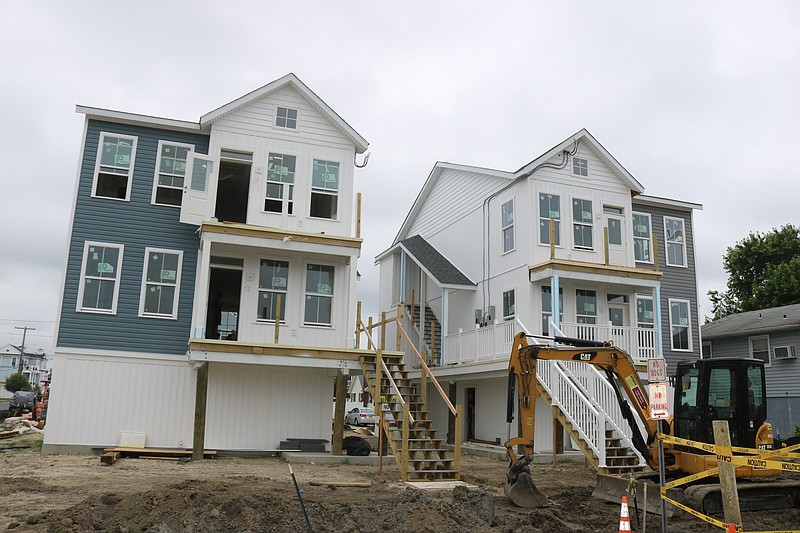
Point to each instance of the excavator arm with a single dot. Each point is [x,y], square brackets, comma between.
[615,363]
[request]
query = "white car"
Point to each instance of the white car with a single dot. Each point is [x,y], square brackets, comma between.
[361,416]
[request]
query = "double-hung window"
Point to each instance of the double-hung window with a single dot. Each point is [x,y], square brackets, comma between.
[170,173]
[324,189]
[759,348]
[547,307]
[272,282]
[676,241]
[586,306]
[319,295]
[286,117]
[645,317]
[549,209]
[508,304]
[680,325]
[112,175]
[507,225]
[642,249]
[160,283]
[100,274]
[582,223]
[280,183]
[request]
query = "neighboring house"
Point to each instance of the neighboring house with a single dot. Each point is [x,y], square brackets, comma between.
[490,253]
[211,260]
[772,335]
[34,365]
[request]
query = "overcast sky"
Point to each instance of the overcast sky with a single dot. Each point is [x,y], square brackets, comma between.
[698,100]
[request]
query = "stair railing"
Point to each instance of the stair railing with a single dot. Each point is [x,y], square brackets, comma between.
[393,385]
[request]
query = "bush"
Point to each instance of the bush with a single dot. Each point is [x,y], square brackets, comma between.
[17,382]
[797,431]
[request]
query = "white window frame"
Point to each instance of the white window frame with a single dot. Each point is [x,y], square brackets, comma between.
[583,223]
[507,228]
[286,118]
[688,326]
[513,313]
[287,188]
[667,242]
[324,191]
[306,294]
[707,350]
[579,169]
[157,173]
[146,284]
[639,323]
[582,313]
[546,220]
[648,239]
[768,361]
[82,280]
[134,141]
[547,315]
[283,292]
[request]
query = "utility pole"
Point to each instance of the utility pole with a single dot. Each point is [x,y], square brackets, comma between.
[22,348]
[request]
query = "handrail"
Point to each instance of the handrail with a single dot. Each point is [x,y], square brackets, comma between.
[424,366]
[371,345]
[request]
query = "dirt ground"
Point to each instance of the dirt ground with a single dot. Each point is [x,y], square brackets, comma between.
[77,493]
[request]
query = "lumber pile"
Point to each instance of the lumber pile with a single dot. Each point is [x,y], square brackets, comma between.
[112,455]
[19,425]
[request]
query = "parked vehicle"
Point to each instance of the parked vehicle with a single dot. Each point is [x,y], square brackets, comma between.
[21,402]
[361,416]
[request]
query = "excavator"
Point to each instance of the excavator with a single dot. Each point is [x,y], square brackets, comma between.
[732,389]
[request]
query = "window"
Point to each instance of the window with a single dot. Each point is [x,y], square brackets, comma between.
[170,173]
[707,351]
[680,325]
[272,282]
[759,348]
[507,225]
[580,167]
[319,294]
[324,189]
[645,318]
[676,243]
[547,307]
[160,283]
[586,306]
[280,183]
[112,175]
[508,305]
[99,284]
[641,238]
[582,223]
[549,209]
[286,118]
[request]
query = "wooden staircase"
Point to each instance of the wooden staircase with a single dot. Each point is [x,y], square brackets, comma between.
[420,454]
[432,333]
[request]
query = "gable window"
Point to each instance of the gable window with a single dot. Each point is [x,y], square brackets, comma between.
[580,166]
[642,250]
[319,295]
[508,305]
[286,118]
[586,306]
[680,325]
[99,283]
[549,209]
[324,189]
[676,242]
[112,175]
[160,283]
[582,223]
[280,183]
[507,225]
[272,281]
[759,348]
[547,307]
[170,173]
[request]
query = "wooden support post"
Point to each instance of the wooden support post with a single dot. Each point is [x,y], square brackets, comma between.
[376,400]
[278,317]
[552,239]
[358,325]
[423,389]
[452,391]
[399,325]
[457,443]
[200,399]
[605,243]
[338,413]
[381,442]
[727,474]
[383,330]
[358,215]
[370,344]
[404,448]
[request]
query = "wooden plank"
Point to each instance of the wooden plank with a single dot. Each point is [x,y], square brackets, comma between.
[201,397]
[159,451]
[727,474]
[340,484]
[159,458]
[109,458]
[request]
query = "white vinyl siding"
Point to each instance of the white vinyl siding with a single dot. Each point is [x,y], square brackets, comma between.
[170,173]
[549,209]
[161,281]
[507,225]
[680,323]
[114,167]
[676,241]
[642,238]
[98,291]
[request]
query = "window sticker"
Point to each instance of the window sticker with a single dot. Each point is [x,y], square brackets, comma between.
[278,281]
[553,214]
[648,314]
[323,288]
[589,308]
[168,275]
[684,321]
[105,268]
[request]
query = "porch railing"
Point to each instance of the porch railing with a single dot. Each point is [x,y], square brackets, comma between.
[481,344]
[640,343]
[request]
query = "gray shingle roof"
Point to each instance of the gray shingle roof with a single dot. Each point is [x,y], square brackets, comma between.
[762,321]
[439,267]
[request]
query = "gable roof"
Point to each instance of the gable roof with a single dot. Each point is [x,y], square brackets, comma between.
[762,321]
[315,101]
[437,266]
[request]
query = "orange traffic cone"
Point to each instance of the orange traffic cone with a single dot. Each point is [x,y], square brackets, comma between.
[732,528]
[624,519]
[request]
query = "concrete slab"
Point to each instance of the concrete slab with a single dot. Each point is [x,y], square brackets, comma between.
[327,458]
[499,452]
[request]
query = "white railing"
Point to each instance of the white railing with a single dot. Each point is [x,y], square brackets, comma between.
[481,344]
[639,342]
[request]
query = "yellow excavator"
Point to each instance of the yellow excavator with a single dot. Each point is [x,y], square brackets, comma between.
[732,389]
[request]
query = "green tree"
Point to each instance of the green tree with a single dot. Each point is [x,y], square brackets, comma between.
[16,382]
[763,271]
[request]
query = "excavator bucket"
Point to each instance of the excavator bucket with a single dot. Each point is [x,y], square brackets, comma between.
[520,488]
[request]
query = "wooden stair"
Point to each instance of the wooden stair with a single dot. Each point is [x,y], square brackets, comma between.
[432,333]
[426,456]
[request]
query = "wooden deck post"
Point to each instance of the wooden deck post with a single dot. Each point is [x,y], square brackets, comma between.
[370,344]
[358,325]
[383,330]
[404,448]
[452,391]
[338,413]
[358,215]
[457,443]
[399,325]
[605,243]
[552,239]
[376,399]
[200,399]
[423,389]
[278,318]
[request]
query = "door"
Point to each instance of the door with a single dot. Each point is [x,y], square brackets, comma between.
[614,224]
[195,190]
[222,318]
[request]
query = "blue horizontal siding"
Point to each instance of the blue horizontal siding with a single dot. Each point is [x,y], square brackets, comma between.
[137,225]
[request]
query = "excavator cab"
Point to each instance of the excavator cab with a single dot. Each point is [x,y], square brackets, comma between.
[727,389]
